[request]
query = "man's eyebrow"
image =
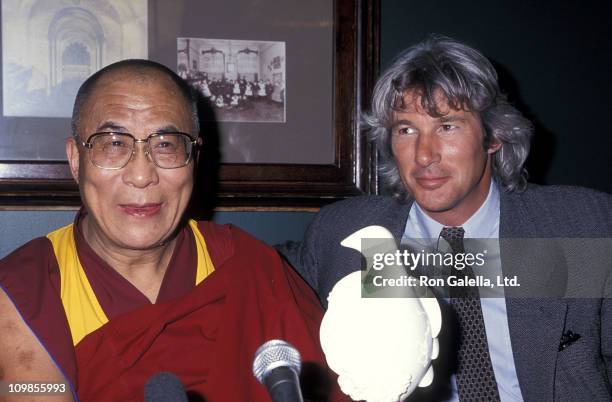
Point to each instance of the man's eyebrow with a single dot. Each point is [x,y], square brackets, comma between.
[169,128]
[401,122]
[111,126]
[452,118]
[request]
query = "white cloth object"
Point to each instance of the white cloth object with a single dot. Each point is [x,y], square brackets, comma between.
[381,348]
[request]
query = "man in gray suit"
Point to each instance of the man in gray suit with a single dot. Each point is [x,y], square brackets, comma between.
[453,150]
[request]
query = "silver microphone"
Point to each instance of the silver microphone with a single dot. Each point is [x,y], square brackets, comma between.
[277,366]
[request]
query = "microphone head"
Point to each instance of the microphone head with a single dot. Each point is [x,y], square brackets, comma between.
[164,387]
[275,353]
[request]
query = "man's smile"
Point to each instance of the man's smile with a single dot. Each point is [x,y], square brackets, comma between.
[141,210]
[431,182]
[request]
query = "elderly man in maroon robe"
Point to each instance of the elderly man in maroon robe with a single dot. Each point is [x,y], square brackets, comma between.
[132,288]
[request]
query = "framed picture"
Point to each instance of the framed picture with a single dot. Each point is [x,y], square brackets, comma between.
[282,86]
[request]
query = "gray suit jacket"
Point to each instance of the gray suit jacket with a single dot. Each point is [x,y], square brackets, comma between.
[581,371]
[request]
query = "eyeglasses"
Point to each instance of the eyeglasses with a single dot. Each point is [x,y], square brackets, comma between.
[110,150]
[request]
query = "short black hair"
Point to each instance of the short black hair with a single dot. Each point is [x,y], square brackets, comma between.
[131,65]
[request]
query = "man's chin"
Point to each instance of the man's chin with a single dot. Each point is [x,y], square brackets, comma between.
[434,206]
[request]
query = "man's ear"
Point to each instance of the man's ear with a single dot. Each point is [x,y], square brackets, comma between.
[72,152]
[494,146]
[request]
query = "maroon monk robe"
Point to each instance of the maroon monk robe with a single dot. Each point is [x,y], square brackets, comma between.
[208,337]
[31,278]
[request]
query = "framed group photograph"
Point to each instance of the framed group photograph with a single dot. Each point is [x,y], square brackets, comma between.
[281,85]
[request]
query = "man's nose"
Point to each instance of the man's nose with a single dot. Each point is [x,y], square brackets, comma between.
[140,171]
[426,150]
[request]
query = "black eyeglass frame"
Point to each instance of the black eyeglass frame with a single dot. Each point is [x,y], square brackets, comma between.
[195,143]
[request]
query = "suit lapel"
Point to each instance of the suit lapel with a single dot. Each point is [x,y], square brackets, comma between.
[536,325]
[396,222]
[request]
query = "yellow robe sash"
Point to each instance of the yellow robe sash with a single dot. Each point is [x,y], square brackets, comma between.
[81,305]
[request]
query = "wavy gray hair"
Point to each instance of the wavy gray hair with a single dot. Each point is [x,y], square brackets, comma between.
[469,82]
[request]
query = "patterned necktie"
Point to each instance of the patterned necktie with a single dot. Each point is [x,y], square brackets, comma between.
[475,376]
